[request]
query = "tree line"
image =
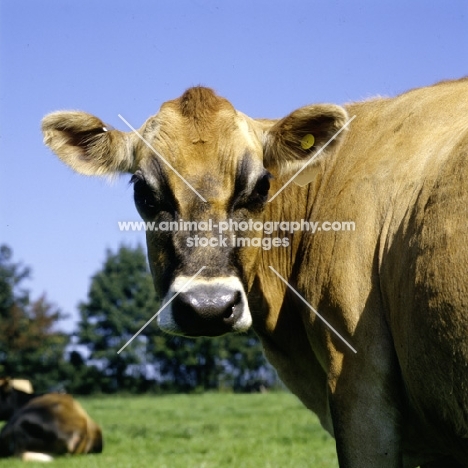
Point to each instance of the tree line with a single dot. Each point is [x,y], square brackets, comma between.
[120,300]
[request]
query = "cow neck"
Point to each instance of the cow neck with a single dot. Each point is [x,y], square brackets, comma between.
[297,204]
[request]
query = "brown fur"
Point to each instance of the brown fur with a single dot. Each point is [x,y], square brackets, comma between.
[396,288]
[81,434]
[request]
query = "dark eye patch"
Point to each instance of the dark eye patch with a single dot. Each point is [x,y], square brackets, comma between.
[259,194]
[148,200]
[255,199]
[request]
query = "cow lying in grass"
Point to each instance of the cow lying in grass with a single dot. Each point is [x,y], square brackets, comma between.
[41,426]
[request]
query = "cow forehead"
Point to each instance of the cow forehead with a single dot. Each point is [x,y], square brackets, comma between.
[204,139]
[201,120]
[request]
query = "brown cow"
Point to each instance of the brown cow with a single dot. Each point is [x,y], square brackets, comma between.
[395,289]
[41,426]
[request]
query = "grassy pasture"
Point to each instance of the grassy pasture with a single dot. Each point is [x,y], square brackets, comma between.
[203,431]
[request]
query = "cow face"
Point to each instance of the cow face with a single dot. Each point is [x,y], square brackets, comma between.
[14,393]
[199,169]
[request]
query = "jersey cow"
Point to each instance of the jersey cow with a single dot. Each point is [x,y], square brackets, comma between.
[40,426]
[394,289]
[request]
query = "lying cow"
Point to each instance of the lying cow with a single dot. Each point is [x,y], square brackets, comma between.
[41,426]
[395,290]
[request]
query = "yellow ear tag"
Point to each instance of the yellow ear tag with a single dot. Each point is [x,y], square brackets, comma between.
[308,141]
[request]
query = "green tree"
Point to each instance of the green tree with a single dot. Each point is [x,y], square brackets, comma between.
[11,276]
[121,299]
[245,368]
[30,344]
[232,362]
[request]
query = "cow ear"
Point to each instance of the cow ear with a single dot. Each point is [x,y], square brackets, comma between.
[6,384]
[295,139]
[85,143]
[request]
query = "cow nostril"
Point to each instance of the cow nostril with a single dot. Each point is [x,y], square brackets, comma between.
[229,312]
[231,306]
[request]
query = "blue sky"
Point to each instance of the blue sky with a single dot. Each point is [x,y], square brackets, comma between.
[111,57]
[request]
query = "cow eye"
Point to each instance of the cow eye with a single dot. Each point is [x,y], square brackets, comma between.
[144,197]
[263,186]
[259,194]
[150,202]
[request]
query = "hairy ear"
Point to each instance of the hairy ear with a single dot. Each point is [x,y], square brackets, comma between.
[292,141]
[84,143]
[6,385]
[22,385]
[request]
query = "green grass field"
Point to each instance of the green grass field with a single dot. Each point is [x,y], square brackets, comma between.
[203,431]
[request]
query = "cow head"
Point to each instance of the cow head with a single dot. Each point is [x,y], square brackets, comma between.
[197,161]
[14,393]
